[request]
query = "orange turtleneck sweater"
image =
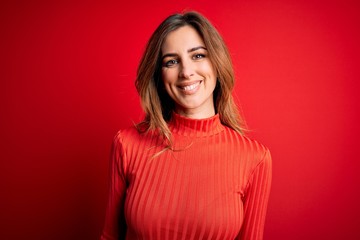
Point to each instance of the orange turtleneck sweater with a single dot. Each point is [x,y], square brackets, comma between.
[214,184]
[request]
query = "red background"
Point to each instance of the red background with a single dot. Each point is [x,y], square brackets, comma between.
[67,85]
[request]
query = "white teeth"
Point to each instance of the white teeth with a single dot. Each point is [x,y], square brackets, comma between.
[191,87]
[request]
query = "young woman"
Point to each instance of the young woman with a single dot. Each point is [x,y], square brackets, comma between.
[187,171]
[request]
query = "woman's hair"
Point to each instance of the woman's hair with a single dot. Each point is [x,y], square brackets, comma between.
[157,104]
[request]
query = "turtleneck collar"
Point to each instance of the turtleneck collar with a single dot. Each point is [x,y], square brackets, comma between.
[195,127]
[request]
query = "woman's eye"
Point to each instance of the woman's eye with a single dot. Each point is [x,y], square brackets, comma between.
[171,63]
[199,56]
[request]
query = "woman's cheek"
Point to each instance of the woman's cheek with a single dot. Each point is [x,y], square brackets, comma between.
[169,75]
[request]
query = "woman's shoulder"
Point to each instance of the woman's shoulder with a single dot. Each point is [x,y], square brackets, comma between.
[248,152]
[247,143]
[133,134]
[126,134]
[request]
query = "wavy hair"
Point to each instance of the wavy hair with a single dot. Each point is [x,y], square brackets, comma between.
[157,104]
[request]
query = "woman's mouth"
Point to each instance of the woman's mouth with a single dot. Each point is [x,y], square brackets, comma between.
[190,88]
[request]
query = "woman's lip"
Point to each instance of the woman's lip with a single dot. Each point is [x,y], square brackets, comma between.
[190,88]
[189,85]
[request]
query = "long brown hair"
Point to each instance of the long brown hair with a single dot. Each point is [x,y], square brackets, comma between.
[157,104]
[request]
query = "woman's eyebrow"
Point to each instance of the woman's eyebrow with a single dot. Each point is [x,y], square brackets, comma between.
[196,48]
[169,55]
[189,51]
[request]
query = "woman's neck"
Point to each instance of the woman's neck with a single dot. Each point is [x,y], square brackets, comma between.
[196,113]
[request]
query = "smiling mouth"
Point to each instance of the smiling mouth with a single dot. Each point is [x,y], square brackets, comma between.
[190,87]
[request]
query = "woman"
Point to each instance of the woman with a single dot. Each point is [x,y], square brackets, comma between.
[187,171]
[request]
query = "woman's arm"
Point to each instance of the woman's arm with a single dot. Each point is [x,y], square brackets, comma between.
[115,225]
[256,200]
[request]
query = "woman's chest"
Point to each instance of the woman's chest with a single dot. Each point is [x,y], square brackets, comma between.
[180,196]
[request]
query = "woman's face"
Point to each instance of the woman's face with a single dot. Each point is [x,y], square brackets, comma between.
[187,73]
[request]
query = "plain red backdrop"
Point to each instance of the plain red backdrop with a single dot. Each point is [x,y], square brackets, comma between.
[67,85]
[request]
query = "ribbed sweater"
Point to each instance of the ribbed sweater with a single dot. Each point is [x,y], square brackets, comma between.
[213,184]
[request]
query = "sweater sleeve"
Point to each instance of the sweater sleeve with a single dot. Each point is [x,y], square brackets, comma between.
[256,200]
[115,225]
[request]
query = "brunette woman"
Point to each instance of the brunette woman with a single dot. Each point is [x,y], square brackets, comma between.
[187,171]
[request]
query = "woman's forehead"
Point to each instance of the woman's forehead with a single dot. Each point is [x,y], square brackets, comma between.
[182,39]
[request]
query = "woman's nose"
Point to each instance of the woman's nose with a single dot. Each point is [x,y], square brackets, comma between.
[186,69]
